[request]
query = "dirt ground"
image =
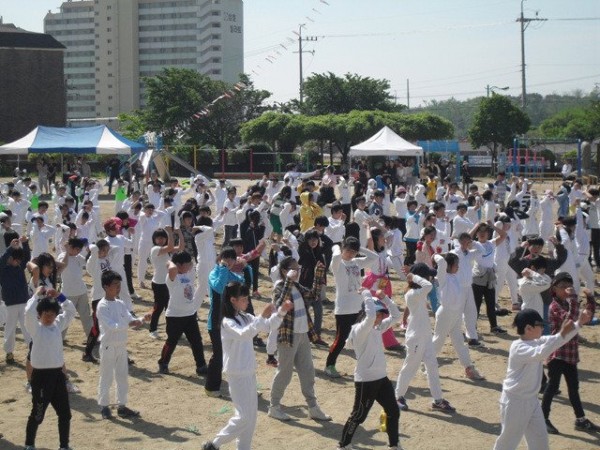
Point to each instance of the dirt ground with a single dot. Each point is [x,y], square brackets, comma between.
[176,414]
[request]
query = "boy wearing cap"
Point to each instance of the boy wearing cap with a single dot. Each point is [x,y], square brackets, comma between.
[520,410]
[563,360]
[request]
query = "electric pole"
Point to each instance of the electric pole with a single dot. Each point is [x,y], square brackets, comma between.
[525,21]
[407,94]
[300,51]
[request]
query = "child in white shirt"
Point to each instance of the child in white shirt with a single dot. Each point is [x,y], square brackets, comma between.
[419,346]
[370,375]
[45,324]
[520,410]
[114,319]
[238,329]
[533,282]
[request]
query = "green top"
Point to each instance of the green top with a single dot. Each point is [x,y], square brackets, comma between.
[121,194]
[35,201]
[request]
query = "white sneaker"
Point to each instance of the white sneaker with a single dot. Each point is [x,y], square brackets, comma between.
[346,447]
[473,374]
[317,414]
[154,334]
[275,412]
[396,447]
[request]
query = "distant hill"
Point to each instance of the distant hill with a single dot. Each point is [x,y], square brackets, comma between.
[539,108]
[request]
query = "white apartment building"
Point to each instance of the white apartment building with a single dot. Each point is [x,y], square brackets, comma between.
[112,44]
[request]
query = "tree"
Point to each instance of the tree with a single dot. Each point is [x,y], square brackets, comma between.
[327,93]
[496,123]
[175,95]
[576,123]
[285,131]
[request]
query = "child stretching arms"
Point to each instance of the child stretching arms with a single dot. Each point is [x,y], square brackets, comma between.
[449,316]
[520,410]
[48,382]
[419,346]
[239,362]
[370,375]
[563,361]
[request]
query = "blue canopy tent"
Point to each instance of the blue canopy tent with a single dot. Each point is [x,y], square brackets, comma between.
[97,139]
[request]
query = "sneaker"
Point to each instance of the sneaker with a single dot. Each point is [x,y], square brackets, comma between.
[258,342]
[72,388]
[316,413]
[321,343]
[106,414]
[402,405]
[213,394]
[474,343]
[473,374]
[275,412]
[153,335]
[272,361]
[89,359]
[332,372]
[29,447]
[125,412]
[585,425]
[498,330]
[202,370]
[208,445]
[443,406]
[28,387]
[396,348]
[10,358]
[163,368]
[551,428]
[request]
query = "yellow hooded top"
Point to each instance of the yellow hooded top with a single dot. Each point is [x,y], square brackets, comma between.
[308,211]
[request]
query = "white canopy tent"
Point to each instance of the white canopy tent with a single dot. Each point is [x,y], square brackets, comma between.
[385,143]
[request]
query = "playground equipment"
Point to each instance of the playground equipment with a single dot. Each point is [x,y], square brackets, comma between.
[525,159]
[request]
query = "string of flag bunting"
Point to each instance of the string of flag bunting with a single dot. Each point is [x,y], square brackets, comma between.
[276,52]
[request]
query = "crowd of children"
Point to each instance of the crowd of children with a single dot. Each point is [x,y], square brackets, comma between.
[455,249]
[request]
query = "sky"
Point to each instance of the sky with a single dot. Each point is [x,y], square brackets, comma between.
[445,48]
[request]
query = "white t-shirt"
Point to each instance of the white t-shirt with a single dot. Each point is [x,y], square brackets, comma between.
[181,296]
[347,277]
[72,275]
[159,262]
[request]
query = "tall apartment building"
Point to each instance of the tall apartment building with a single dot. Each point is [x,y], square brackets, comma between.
[112,44]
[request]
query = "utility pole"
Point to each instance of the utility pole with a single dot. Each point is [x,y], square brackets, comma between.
[300,51]
[407,94]
[525,21]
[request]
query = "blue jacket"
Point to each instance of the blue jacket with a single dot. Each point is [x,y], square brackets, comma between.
[218,279]
[12,278]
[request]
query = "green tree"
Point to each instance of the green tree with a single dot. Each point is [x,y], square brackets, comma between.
[576,123]
[175,95]
[496,123]
[328,93]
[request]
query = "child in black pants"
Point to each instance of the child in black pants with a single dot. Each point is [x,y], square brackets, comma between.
[48,383]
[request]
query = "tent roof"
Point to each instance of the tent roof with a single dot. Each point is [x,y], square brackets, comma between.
[96,139]
[385,143]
